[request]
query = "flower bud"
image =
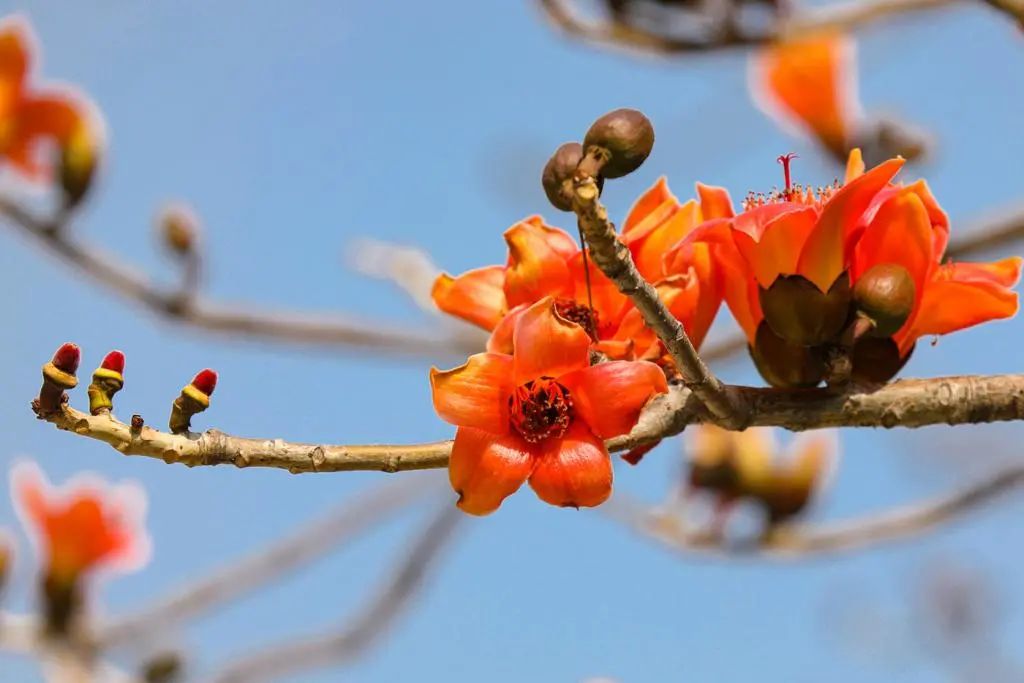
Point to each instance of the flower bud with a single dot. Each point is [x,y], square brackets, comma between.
[194,398]
[560,169]
[885,295]
[107,380]
[628,137]
[58,377]
[179,229]
[800,313]
[783,364]
[78,157]
[876,360]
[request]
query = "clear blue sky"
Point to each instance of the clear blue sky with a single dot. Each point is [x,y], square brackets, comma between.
[294,132]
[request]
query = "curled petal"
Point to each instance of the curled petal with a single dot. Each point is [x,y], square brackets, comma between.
[475,394]
[824,256]
[649,250]
[714,202]
[610,396]
[574,471]
[548,345]
[476,296]
[556,238]
[485,468]
[536,263]
[654,206]
[778,249]
[500,340]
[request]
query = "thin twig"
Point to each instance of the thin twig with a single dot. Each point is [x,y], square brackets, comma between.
[967,399]
[280,326]
[242,576]
[19,633]
[802,541]
[614,259]
[356,636]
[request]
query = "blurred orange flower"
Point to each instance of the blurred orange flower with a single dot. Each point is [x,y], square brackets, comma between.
[540,413]
[85,526]
[810,83]
[29,115]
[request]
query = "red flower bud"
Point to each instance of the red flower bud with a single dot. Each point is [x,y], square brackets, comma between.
[205,381]
[67,357]
[113,361]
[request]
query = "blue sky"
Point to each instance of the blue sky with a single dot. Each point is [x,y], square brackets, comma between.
[294,132]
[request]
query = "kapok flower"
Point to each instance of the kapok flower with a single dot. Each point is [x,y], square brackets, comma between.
[751,465]
[810,83]
[6,557]
[541,414]
[29,116]
[802,264]
[82,527]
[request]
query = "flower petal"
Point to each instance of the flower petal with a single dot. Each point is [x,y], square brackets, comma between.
[714,202]
[500,340]
[649,250]
[824,256]
[657,198]
[608,302]
[574,471]
[548,345]
[475,394]
[536,263]
[854,165]
[484,469]
[476,296]
[609,396]
[779,247]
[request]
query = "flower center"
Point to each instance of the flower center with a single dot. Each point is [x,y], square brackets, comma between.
[793,193]
[541,409]
[582,315]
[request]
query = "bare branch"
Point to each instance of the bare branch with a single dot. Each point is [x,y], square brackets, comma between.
[19,633]
[280,326]
[905,403]
[354,638]
[242,576]
[614,259]
[801,541]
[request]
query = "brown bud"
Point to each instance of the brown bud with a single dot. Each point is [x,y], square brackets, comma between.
[885,296]
[876,360]
[783,364]
[163,668]
[179,229]
[801,313]
[628,137]
[558,172]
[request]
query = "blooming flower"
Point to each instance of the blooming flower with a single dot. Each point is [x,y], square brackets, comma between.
[83,526]
[751,465]
[540,413]
[29,116]
[792,259]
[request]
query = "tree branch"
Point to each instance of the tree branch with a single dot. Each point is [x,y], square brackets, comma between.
[355,638]
[905,403]
[237,578]
[279,326]
[799,541]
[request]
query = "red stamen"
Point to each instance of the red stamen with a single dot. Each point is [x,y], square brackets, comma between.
[113,361]
[540,409]
[205,381]
[785,160]
[66,358]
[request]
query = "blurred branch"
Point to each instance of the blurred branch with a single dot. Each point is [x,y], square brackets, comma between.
[799,541]
[1012,8]
[192,311]
[19,633]
[237,578]
[966,399]
[356,636]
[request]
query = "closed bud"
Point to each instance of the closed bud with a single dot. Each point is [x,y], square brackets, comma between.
[885,295]
[783,364]
[194,398]
[179,229]
[628,138]
[78,160]
[876,360]
[107,380]
[558,173]
[800,313]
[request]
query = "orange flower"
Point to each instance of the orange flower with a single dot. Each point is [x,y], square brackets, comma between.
[29,116]
[540,413]
[545,261]
[799,247]
[810,83]
[85,526]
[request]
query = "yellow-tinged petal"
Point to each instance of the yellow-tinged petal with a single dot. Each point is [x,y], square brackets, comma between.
[475,394]
[476,296]
[657,200]
[778,250]
[649,249]
[714,202]
[536,263]
[854,165]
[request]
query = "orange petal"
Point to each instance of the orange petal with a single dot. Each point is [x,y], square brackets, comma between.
[536,264]
[681,295]
[824,256]
[15,55]
[899,233]
[961,295]
[485,469]
[937,217]
[810,82]
[574,471]
[657,198]
[556,238]
[475,394]
[500,340]
[854,165]
[649,250]
[547,345]
[714,202]
[610,396]
[609,303]
[477,296]
[781,242]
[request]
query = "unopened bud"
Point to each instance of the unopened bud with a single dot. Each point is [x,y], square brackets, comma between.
[783,364]
[58,377]
[107,380]
[179,229]
[78,159]
[800,313]
[885,295]
[628,138]
[558,173]
[194,398]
